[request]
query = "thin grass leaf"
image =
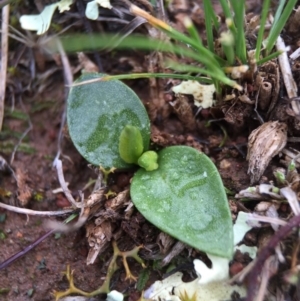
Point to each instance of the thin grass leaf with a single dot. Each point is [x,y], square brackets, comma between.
[229,16]
[81,43]
[227,41]
[226,9]
[279,10]
[239,15]
[208,16]
[176,35]
[195,69]
[192,30]
[147,75]
[214,17]
[265,9]
[269,57]
[279,25]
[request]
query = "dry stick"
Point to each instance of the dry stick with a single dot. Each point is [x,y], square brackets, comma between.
[295,54]
[34,212]
[4,55]
[290,84]
[63,184]
[267,272]
[16,256]
[266,219]
[265,253]
[68,79]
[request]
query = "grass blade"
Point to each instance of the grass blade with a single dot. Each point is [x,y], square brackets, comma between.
[269,57]
[279,10]
[240,41]
[227,41]
[266,6]
[192,30]
[188,68]
[279,25]
[77,43]
[178,36]
[208,16]
[229,17]
[157,75]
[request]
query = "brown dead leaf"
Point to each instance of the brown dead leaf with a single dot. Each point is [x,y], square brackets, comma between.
[98,238]
[118,202]
[101,230]
[96,197]
[264,143]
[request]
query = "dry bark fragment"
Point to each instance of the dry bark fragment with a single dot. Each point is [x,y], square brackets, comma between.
[264,143]
[164,242]
[268,79]
[24,191]
[98,238]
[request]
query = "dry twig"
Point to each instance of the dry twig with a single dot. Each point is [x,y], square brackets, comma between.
[265,253]
[290,84]
[34,212]
[68,78]
[4,55]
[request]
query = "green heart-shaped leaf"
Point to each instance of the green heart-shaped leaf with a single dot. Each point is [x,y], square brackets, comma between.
[97,114]
[185,198]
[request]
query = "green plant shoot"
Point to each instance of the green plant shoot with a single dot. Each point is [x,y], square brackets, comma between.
[131,144]
[148,160]
[179,189]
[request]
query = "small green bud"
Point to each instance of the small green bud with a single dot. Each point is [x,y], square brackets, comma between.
[280,177]
[292,166]
[275,190]
[130,144]
[251,189]
[148,160]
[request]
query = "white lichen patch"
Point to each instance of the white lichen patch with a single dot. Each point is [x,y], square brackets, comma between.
[203,94]
[115,296]
[218,272]
[174,289]
[240,228]
[92,8]
[41,23]
[64,5]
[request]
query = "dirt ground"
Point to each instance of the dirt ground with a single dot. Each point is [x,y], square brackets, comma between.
[37,100]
